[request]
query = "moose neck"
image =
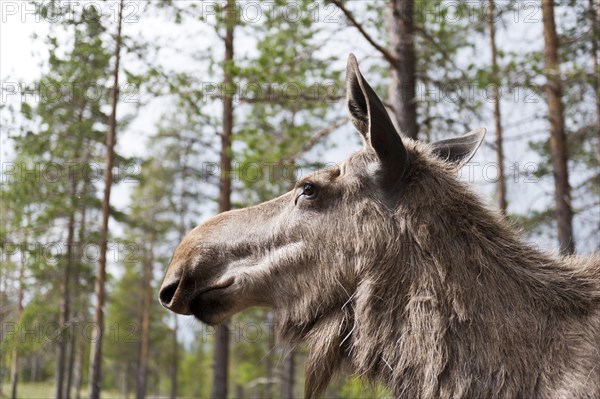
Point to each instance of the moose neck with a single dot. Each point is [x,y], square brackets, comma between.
[463,300]
[453,306]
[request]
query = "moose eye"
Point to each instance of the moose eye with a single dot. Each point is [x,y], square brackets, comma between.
[307,190]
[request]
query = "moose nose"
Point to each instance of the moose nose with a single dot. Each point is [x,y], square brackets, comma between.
[172,297]
[167,293]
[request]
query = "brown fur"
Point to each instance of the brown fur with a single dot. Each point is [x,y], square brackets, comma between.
[410,280]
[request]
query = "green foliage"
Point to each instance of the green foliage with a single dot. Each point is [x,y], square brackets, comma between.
[292,103]
[355,388]
[195,371]
[56,170]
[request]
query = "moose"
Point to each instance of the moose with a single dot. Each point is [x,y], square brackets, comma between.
[389,264]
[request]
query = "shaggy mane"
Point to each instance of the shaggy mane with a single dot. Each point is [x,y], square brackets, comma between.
[458,306]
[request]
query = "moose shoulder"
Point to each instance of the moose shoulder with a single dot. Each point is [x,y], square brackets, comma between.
[390,264]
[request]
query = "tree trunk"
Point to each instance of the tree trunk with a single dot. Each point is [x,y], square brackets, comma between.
[269,359]
[73,342]
[80,308]
[594,17]
[225,161]
[239,392]
[14,372]
[183,167]
[35,368]
[221,344]
[14,364]
[78,374]
[558,141]
[95,377]
[125,379]
[220,361]
[403,79]
[402,59]
[287,380]
[175,360]
[75,256]
[66,297]
[70,361]
[501,182]
[140,388]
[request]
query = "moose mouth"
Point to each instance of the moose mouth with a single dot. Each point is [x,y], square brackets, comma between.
[210,304]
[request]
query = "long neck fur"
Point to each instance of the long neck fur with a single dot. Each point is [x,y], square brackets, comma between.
[461,307]
[467,309]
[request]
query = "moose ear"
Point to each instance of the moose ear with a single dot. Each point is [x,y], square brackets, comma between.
[459,150]
[371,119]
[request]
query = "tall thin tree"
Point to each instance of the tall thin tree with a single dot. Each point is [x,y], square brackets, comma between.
[14,364]
[501,181]
[184,169]
[558,140]
[175,359]
[79,344]
[95,376]
[288,372]
[74,371]
[594,21]
[221,344]
[402,87]
[66,295]
[64,338]
[401,58]
[147,265]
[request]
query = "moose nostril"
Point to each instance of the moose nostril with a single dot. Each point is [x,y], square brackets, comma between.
[166,294]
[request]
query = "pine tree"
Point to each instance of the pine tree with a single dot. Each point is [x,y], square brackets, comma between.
[95,382]
[64,138]
[501,180]
[558,141]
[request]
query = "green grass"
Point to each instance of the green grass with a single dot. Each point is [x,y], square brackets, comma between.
[45,390]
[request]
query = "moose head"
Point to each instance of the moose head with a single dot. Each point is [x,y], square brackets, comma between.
[388,262]
[306,250]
